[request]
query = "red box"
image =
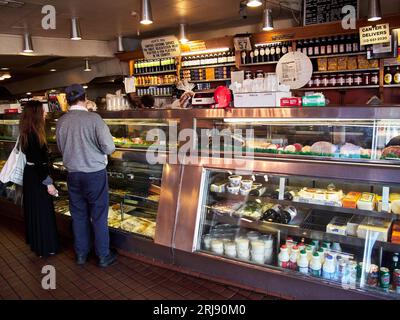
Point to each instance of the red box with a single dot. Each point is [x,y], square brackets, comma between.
[291,102]
[10,111]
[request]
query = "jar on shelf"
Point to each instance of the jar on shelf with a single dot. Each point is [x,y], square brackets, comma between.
[341,80]
[358,79]
[310,83]
[317,81]
[374,78]
[260,74]
[249,75]
[366,79]
[324,80]
[333,80]
[349,79]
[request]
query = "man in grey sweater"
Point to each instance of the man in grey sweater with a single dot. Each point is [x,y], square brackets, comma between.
[85,141]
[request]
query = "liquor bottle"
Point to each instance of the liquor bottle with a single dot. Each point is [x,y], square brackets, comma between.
[305,47]
[244,57]
[262,54]
[310,50]
[285,48]
[356,43]
[290,46]
[322,47]
[267,53]
[317,46]
[299,46]
[349,44]
[252,56]
[335,45]
[342,44]
[273,53]
[329,46]
[396,76]
[278,51]
[256,55]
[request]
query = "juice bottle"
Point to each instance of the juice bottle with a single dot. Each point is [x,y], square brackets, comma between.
[302,262]
[283,257]
[328,270]
[315,265]
[293,258]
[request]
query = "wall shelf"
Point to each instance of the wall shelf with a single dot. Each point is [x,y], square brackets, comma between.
[258,64]
[339,88]
[155,85]
[154,73]
[209,66]
[214,80]
[339,55]
[347,71]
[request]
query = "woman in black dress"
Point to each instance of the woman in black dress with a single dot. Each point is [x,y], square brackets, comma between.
[38,188]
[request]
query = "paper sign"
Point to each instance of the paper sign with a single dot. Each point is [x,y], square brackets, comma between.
[130,85]
[374,34]
[385,199]
[294,69]
[196,45]
[282,184]
[158,48]
[242,44]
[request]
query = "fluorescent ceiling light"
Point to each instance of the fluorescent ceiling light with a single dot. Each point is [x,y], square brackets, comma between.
[146,14]
[190,53]
[254,3]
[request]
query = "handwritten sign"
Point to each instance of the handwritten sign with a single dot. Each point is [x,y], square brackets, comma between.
[375,34]
[158,48]
[197,45]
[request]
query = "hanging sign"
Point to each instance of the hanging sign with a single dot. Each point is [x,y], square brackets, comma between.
[163,47]
[375,34]
[294,69]
[324,11]
[196,45]
[242,44]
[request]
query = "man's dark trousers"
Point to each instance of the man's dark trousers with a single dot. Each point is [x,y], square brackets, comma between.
[89,202]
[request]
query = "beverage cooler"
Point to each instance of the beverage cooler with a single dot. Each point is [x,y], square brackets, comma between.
[308,208]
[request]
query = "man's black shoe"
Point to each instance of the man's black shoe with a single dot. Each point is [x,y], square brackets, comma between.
[81,259]
[108,260]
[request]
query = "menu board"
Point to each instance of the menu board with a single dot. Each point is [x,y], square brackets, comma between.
[323,11]
[162,47]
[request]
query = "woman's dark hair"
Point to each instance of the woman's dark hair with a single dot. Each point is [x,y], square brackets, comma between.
[32,122]
[147,101]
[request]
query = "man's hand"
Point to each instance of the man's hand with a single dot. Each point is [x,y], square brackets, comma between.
[51,189]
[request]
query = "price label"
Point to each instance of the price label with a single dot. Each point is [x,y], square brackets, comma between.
[385,199]
[282,183]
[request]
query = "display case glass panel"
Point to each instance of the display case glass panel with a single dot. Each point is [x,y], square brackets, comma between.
[345,233]
[344,139]
[9,130]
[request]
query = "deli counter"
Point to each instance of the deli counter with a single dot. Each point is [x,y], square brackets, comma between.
[297,203]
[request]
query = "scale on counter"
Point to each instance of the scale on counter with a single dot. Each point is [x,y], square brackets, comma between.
[204,99]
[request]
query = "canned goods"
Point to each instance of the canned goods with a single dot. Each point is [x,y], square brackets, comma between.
[373,276]
[396,280]
[384,278]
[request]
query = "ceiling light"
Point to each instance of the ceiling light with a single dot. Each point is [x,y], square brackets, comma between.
[121,44]
[6,75]
[268,23]
[374,10]
[147,16]
[53,70]
[182,34]
[27,44]
[1,78]
[75,29]
[87,66]
[254,3]
[85,87]
[5,69]
[29,93]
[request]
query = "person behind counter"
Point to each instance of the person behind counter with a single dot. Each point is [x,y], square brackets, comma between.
[38,188]
[85,140]
[145,102]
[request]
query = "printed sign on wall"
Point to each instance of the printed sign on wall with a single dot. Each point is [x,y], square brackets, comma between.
[375,34]
[163,47]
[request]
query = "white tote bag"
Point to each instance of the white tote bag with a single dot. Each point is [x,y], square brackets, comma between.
[13,170]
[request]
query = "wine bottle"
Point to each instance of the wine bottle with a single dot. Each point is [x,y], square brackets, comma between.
[299,46]
[329,46]
[267,53]
[322,47]
[256,54]
[278,51]
[273,53]
[305,47]
[342,44]
[335,45]
[262,54]
[310,50]
[317,46]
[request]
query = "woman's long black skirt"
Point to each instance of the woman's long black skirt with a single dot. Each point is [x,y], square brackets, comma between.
[40,220]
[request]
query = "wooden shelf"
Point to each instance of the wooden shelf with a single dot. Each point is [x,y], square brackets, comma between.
[346,71]
[258,64]
[338,88]
[339,55]
[391,86]
[214,80]
[155,73]
[209,66]
[155,85]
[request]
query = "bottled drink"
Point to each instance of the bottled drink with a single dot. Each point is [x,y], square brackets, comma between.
[273,53]
[317,46]
[262,54]
[335,45]
[278,51]
[342,44]
[289,244]
[315,265]
[395,263]
[396,77]
[267,53]
[309,251]
[232,57]
[299,46]
[283,257]
[388,76]
[244,57]
[302,262]
[322,47]
[349,44]
[290,47]
[328,270]
[294,256]
[256,55]
[336,247]
[329,46]
[305,47]
[321,253]
[310,50]
[356,43]
[252,56]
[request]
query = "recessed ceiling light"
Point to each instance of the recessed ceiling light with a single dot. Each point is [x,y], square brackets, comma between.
[85,87]
[29,93]
[6,75]
[5,69]
[254,3]
[53,70]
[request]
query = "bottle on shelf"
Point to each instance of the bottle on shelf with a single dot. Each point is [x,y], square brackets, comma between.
[302,262]
[267,53]
[388,76]
[285,48]
[322,47]
[299,46]
[252,56]
[278,51]
[317,46]
[315,265]
[356,43]
[349,44]
[335,45]
[273,53]
[244,57]
[294,256]
[256,55]
[395,264]
[328,269]
[305,47]
[342,44]
[310,49]
[329,46]
[396,76]
[262,54]
[283,257]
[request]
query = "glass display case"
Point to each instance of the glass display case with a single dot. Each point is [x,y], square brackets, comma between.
[342,232]
[334,139]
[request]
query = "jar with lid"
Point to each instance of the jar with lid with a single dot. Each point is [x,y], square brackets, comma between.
[333,80]
[260,74]
[324,80]
[366,79]
[358,79]
[317,81]
[340,80]
[310,83]
[249,75]
[374,78]
[349,79]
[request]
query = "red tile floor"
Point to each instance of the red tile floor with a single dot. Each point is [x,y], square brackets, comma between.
[20,278]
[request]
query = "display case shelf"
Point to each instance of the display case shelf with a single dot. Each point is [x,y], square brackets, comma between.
[155,73]
[209,66]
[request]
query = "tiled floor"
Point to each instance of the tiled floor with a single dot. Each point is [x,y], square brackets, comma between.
[20,278]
